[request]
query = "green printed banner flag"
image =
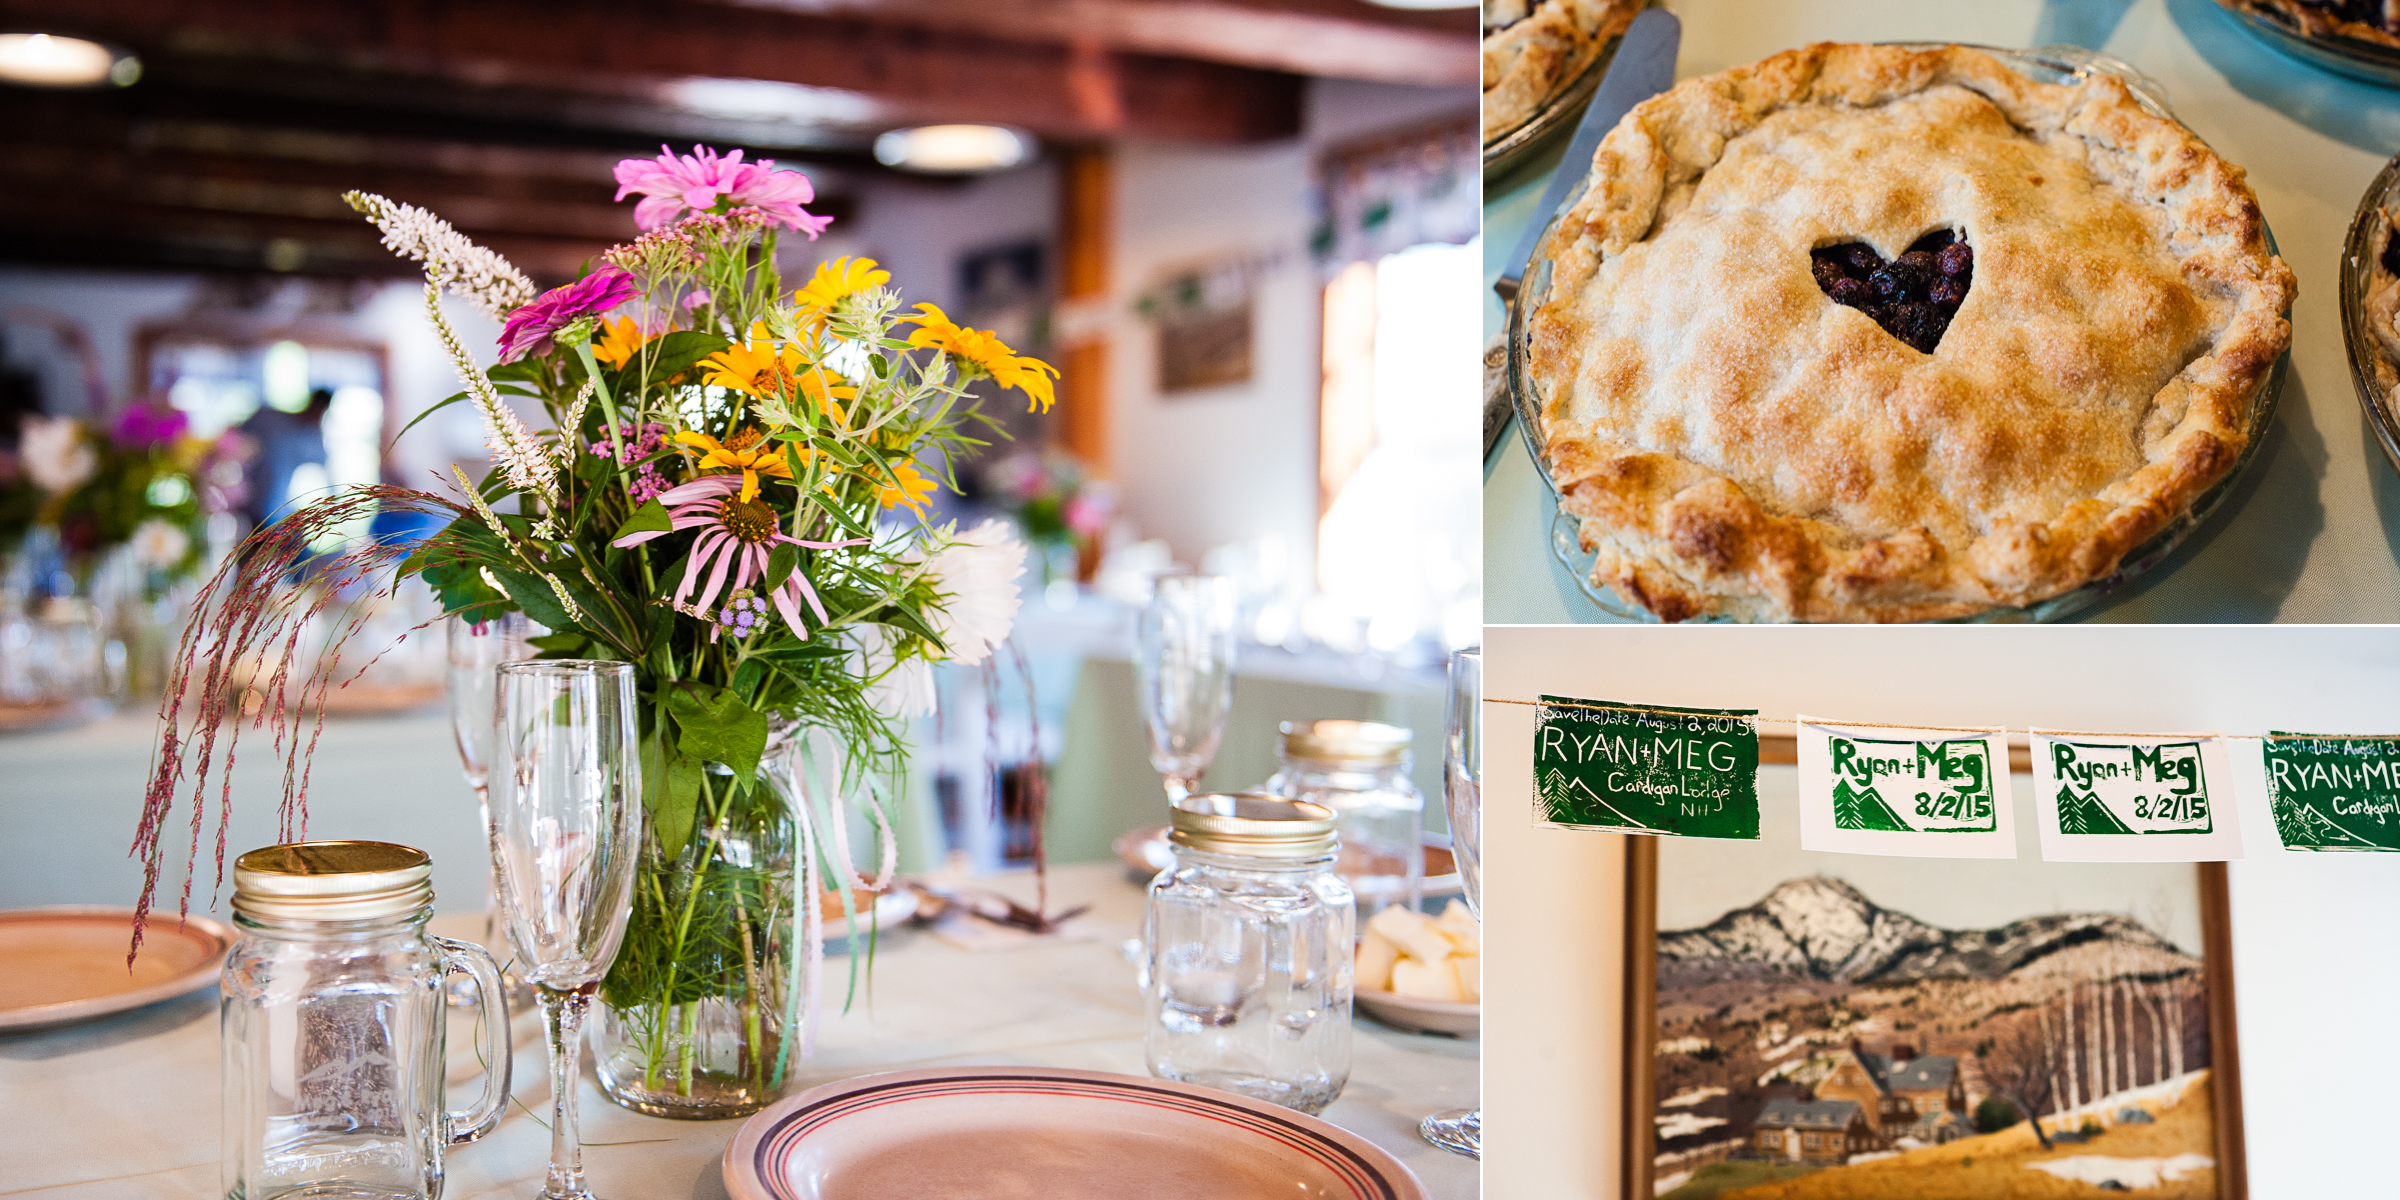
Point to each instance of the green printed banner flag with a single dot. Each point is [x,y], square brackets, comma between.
[2115,799]
[1928,793]
[2334,793]
[1692,772]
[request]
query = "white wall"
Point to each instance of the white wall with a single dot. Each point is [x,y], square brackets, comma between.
[1232,464]
[2315,964]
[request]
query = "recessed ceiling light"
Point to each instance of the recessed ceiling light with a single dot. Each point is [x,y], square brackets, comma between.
[953,149]
[54,60]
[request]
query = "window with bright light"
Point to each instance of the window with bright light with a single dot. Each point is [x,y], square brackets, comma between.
[1400,542]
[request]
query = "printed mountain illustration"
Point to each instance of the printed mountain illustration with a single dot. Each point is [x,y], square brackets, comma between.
[1825,929]
[2085,814]
[1572,802]
[1863,809]
[2303,825]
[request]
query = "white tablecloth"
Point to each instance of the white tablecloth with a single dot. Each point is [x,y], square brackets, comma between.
[127,1108]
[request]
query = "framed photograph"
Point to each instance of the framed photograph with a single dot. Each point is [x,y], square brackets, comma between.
[1856,1027]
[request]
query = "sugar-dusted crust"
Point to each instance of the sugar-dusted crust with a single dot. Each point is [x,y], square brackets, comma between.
[1528,62]
[2311,21]
[1735,444]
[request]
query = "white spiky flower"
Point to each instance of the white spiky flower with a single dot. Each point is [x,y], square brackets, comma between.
[452,262]
[529,467]
[976,575]
[902,688]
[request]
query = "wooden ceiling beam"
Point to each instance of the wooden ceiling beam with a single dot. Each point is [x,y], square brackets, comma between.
[1341,39]
[859,74]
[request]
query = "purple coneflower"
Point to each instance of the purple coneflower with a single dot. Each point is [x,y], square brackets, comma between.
[673,183]
[736,537]
[529,328]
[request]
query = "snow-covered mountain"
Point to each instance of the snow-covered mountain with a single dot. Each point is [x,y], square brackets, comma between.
[1825,929]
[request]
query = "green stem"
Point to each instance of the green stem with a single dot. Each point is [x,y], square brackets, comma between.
[616,442]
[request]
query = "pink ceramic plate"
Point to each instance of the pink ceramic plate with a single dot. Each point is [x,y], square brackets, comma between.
[67,964]
[1000,1133]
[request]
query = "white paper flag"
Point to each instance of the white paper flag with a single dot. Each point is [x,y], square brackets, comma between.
[2112,799]
[1925,793]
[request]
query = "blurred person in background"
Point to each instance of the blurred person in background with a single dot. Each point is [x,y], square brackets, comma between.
[287,442]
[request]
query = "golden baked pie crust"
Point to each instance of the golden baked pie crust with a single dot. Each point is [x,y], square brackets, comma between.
[1527,63]
[1735,444]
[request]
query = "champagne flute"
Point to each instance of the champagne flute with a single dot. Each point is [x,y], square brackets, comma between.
[1183,665]
[566,828]
[1460,1131]
[476,650]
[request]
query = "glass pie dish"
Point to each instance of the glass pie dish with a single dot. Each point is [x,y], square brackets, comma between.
[2048,64]
[2371,367]
[1555,119]
[2364,61]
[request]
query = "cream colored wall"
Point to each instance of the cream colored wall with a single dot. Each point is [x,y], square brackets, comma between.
[2310,955]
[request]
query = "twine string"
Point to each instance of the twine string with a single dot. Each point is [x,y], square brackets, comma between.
[1687,714]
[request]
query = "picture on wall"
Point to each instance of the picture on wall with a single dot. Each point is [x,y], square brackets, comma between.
[1853,1027]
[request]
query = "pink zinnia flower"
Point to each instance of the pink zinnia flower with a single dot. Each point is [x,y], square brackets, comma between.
[737,536]
[146,425]
[529,328]
[698,180]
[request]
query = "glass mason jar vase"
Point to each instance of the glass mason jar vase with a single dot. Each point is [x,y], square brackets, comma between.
[334,1027]
[1248,978]
[1359,769]
[692,1011]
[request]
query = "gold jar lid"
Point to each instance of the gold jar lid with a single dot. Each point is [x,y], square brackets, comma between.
[1254,825]
[1364,743]
[332,881]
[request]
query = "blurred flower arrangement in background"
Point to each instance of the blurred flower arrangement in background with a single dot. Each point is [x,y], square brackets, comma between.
[728,490]
[143,487]
[1055,501]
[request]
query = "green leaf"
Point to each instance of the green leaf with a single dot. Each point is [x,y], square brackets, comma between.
[534,596]
[528,369]
[677,351]
[717,727]
[671,792]
[558,643]
[651,517]
[429,411]
[780,564]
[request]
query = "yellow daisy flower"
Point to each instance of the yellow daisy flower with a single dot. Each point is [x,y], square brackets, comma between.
[618,342]
[985,350]
[834,280]
[757,366]
[747,451]
[912,492]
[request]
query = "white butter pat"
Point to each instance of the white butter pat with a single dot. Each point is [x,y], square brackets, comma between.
[1414,932]
[1470,976]
[1376,955]
[1436,980]
[1463,930]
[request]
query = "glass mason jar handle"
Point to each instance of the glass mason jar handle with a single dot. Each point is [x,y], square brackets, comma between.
[492,1043]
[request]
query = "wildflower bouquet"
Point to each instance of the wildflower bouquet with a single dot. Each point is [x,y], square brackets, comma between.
[730,495]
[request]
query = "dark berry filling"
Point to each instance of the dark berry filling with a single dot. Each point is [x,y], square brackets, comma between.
[1913,296]
[2391,257]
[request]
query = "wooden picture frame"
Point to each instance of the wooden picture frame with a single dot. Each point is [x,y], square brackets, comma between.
[1645,1116]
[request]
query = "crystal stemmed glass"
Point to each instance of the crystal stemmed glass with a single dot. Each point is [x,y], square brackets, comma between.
[1460,1131]
[566,811]
[1183,664]
[476,650]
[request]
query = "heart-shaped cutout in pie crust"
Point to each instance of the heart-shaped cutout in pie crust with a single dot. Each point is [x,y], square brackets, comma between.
[1913,296]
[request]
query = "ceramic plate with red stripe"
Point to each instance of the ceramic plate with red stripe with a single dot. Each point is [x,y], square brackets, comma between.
[999,1133]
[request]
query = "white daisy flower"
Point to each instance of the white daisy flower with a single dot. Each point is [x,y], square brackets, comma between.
[902,689]
[976,574]
[160,544]
[54,453]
